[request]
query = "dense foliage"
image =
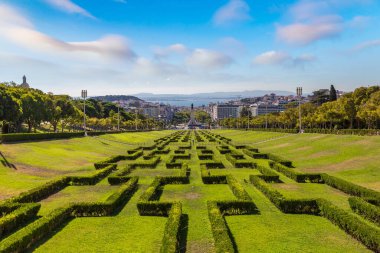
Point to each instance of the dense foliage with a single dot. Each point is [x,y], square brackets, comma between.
[27,109]
[355,110]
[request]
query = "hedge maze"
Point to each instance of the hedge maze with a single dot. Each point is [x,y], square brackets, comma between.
[196,179]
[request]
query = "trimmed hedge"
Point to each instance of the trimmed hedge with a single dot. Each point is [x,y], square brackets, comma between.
[205,157]
[206,152]
[237,207]
[213,165]
[93,179]
[207,178]
[296,206]
[239,161]
[296,176]
[41,192]
[237,189]
[365,209]
[223,149]
[220,231]
[350,188]
[17,218]
[368,235]
[121,176]
[267,174]
[113,203]
[170,240]
[255,155]
[151,163]
[280,160]
[24,238]
[19,137]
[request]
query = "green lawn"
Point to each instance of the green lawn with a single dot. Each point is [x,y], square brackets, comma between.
[268,231]
[27,165]
[353,158]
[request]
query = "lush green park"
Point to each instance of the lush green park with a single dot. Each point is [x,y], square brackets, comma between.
[191,191]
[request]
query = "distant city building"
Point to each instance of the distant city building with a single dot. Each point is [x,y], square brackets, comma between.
[24,83]
[262,109]
[222,111]
[151,111]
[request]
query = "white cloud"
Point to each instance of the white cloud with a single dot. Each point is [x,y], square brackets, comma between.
[232,46]
[307,33]
[177,48]
[282,58]
[233,11]
[15,28]
[366,45]
[69,7]
[203,58]
[359,22]
[271,58]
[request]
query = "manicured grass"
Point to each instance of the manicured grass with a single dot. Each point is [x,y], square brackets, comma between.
[273,231]
[353,158]
[268,231]
[27,165]
[122,233]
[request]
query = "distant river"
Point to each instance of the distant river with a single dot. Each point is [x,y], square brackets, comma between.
[188,101]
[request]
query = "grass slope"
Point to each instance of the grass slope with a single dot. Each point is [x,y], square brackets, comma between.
[353,158]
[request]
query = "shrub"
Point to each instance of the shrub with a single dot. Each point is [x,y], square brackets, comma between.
[23,214]
[297,206]
[41,192]
[255,155]
[19,137]
[368,235]
[296,176]
[238,161]
[170,240]
[213,165]
[95,178]
[220,231]
[154,208]
[112,203]
[237,189]
[152,191]
[151,163]
[237,207]
[267,174]
[280,160]
[365,209]
[350,188]
[151,147]
[205,157]
[21,240]
[207,178]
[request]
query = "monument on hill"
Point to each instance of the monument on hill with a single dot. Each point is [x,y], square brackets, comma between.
[193,124]
[24,83]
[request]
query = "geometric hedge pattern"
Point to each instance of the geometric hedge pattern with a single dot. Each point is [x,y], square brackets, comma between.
[22,227]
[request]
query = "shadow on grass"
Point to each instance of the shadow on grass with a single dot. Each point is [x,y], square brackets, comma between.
[6,163]
[183,231]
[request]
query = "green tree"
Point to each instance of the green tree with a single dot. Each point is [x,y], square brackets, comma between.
[333,95]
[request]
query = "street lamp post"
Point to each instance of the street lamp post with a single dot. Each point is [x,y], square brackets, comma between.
[118,117]
[84,96]
[137,110]
[299,94]
[266,115]
[249,110]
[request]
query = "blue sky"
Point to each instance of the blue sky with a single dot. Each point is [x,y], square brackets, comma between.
[132,46]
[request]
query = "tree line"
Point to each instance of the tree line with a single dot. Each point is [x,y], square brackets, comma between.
[31,110]
[359,109]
